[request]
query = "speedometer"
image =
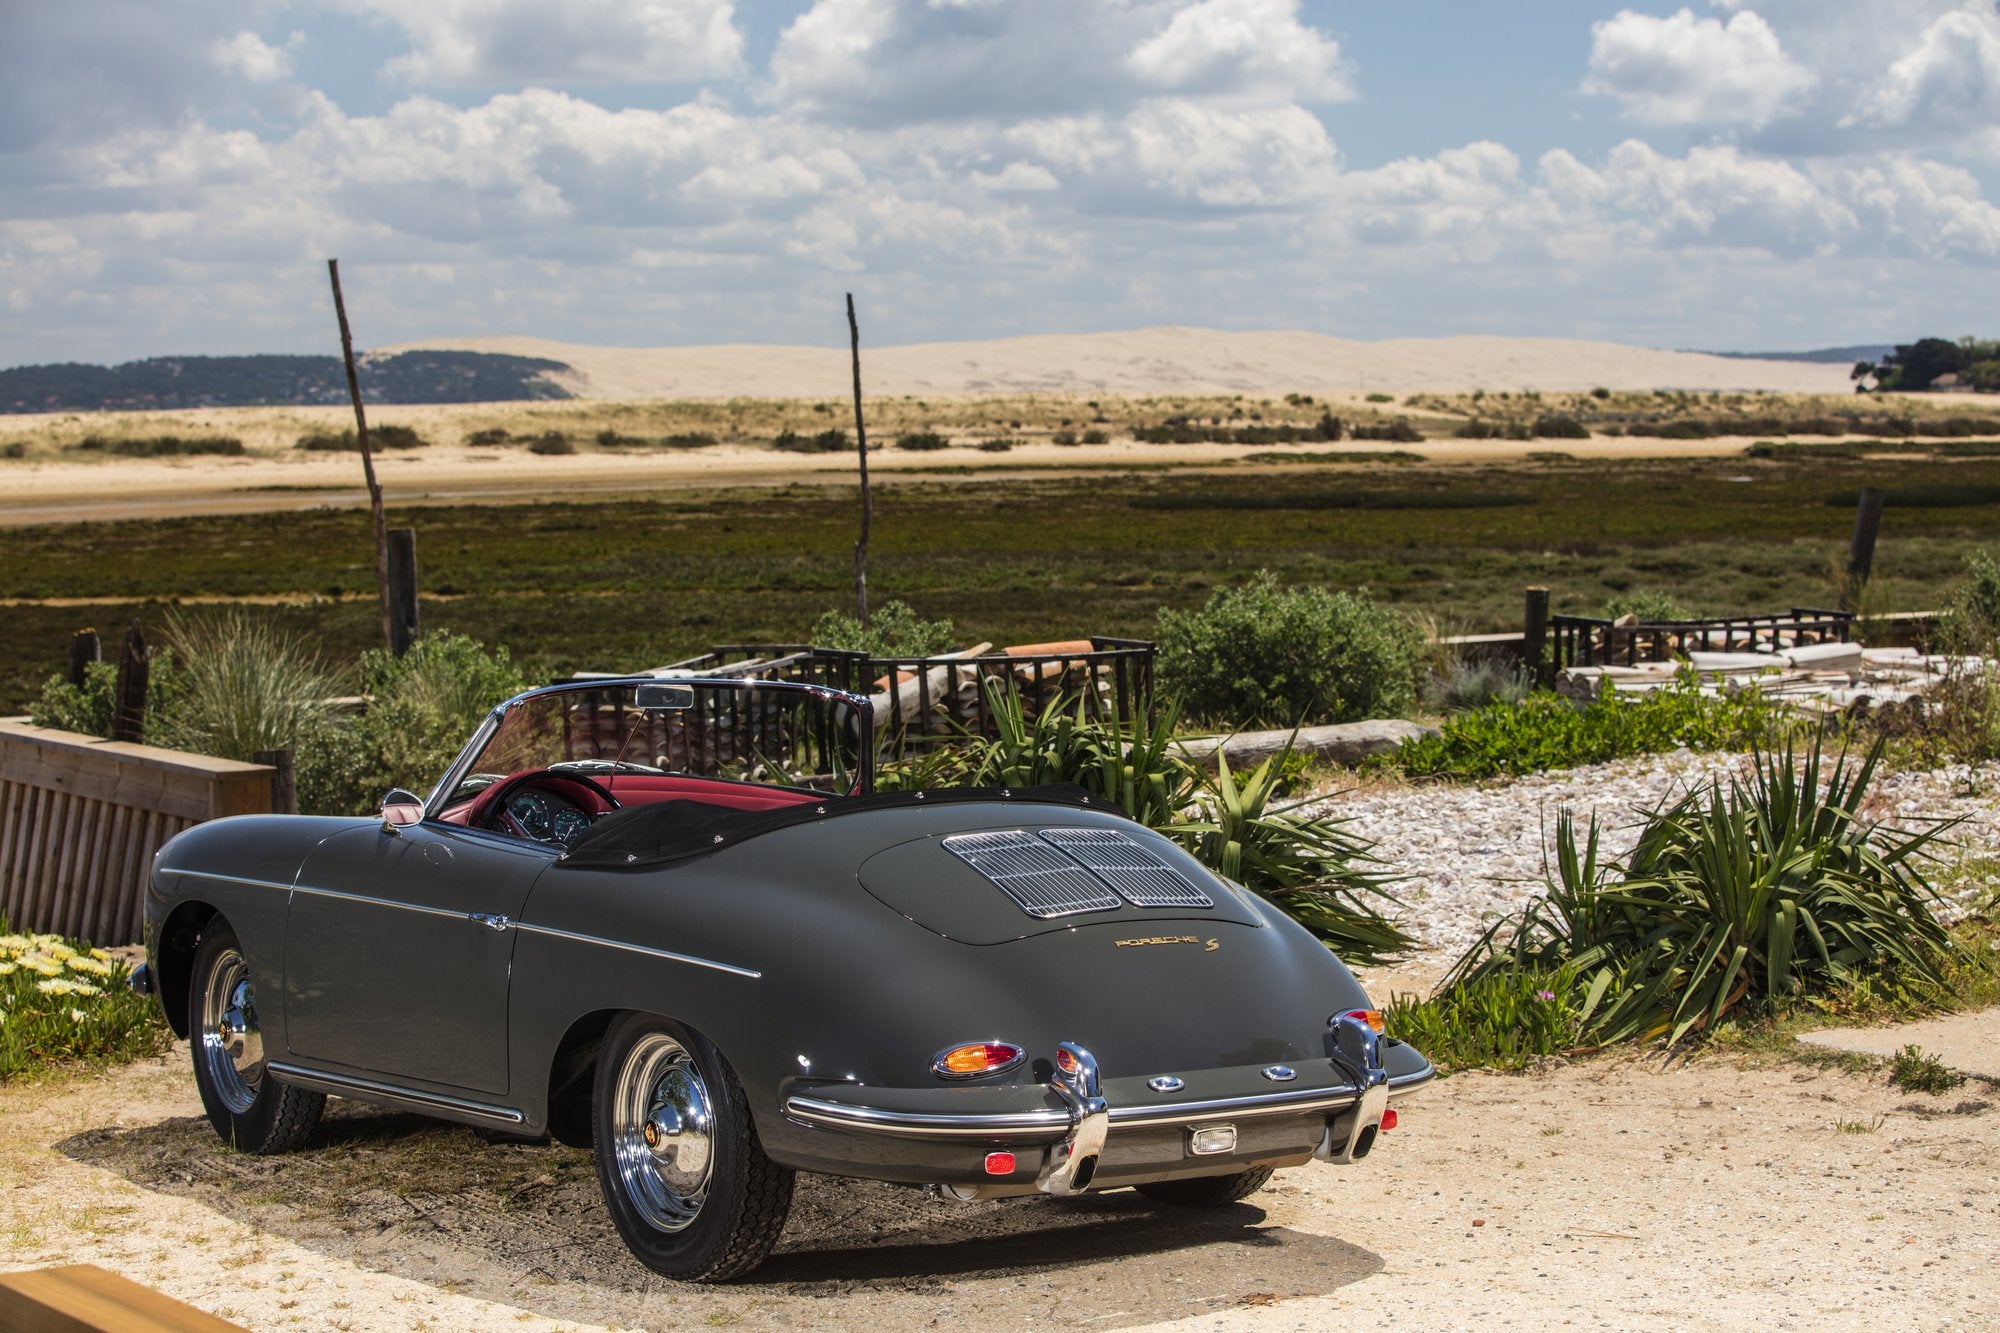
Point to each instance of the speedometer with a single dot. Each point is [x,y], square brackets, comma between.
[569,825]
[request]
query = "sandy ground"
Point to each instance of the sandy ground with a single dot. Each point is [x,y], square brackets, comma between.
[41,490]
[1614,1193]
[1155,361]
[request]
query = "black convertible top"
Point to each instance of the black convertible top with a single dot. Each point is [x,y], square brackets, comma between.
[646,835]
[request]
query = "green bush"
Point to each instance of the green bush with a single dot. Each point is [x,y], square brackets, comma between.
[1546,730]
[1095,437]
[1560,428]
[551,443]
[157,446]
[1266,654]
[379,437]
[1650,605]
[1399,430]
[894,629]
[86,708]
[922,440]
[62,1001]
[825,442]
[1913,1071]
[1506,1018]
[1743,896]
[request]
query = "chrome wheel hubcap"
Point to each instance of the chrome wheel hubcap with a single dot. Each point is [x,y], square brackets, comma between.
[232,1047]
[662,1132]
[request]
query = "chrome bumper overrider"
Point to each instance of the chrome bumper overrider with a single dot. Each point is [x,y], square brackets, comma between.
[1079,1128]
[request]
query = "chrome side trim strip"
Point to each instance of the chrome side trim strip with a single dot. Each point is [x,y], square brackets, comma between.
[668,954]
[369,1089]
[367,901]
[226,879]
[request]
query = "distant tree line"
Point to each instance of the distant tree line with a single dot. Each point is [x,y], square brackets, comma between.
[261,381]
[1921,364]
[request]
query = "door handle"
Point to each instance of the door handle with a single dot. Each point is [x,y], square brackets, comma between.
[489,921]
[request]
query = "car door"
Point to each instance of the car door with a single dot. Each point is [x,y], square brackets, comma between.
[398,945]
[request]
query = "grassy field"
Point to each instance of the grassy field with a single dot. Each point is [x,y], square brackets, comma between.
[640,581]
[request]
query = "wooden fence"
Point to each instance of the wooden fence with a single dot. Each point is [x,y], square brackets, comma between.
[80,819]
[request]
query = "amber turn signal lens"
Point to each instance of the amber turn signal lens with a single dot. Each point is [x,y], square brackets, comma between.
[976,1058]
[1372,1017]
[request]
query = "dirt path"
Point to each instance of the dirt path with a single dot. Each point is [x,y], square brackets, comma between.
[1610,1194]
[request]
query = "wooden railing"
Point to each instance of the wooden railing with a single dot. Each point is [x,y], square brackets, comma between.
[80,819]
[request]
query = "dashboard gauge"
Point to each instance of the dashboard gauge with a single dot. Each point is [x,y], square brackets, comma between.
[569,825]
[531,811]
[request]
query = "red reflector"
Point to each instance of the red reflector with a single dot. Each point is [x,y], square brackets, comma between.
[1372,1017]
[999,1164]
[976,1058]
[1065,1061]
[1388,1117]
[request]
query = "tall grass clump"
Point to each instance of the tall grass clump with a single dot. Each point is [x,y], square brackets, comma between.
[63,1001]
[1268,654]
[246,686]
[1743,897]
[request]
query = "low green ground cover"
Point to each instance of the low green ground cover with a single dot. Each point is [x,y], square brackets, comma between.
[62,1002]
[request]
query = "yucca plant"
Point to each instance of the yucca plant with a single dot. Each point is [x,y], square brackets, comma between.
[1136,765]
[1310,866]
[1741,895]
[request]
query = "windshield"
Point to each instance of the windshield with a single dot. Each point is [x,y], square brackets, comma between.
[790,736]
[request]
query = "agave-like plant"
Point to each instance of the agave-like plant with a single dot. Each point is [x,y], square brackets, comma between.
[1318,872]
[1312,868]
[1739,894]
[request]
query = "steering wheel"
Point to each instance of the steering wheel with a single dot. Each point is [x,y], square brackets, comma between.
[591,796]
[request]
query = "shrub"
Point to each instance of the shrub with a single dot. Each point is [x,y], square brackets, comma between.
[1268,654]
[1913,1071]
[379,437]
[1546,731]
[14,449]
[1063,437]
[87,708]
[1560,428]
[156,446]
[997,445]
[61,1000]
[551,443]
[1741,896]
[922,440]
[1507,1018]
[1095,437]
[1649,604]
[1381,397]
[1399,430]
[490,436]
[893,629]
[1460,685]
[825,442]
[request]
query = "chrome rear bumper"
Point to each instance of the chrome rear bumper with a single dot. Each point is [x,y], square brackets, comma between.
[1077,1131]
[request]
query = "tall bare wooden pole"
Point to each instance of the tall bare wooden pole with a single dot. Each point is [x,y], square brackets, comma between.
[861,446]
[367,460]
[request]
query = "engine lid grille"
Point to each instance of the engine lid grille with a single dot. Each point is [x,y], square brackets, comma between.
[1068,871]
[1140,877]
[1040,879]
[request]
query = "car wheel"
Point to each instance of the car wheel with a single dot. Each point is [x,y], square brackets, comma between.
[1207,1191]
[251,1111]
[684,1178]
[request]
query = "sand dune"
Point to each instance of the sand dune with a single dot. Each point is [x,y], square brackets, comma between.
[1152,361]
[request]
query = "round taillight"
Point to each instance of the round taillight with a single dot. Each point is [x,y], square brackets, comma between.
[1065,1061]
[975,1058]
[1372,1017]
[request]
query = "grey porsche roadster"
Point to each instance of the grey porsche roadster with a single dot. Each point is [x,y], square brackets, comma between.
[669,920]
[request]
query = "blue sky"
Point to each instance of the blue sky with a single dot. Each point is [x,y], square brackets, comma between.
[1730,174]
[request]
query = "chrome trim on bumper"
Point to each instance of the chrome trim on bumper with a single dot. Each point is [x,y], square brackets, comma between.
[1072,1163]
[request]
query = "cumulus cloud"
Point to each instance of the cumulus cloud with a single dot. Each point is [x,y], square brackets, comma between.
[1239,46]
[1687,70]
[1950,81]
[495,43]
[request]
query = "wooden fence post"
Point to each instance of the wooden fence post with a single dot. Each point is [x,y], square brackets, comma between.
[84,648]
[128,699]
[1861,549]
[402,589]
[1535,634]
[284,787]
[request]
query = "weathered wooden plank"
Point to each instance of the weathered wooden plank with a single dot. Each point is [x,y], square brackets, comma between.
[122,846]
[137,775]
[32,881]
[70,897]
[83,1298]
[103,925]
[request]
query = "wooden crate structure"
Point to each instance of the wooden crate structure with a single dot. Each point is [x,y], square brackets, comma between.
[80,820]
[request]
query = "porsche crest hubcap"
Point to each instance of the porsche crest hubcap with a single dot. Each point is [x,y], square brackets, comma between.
[232,1046]
[662,1132]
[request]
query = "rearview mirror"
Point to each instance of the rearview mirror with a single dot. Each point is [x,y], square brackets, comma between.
[677,698]
[400,809]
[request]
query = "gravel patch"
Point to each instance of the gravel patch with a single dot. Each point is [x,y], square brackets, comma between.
[1471,854]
